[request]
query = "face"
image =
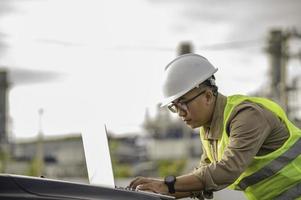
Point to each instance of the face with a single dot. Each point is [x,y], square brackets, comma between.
[196,107]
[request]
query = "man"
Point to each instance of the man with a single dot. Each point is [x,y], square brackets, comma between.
[249,144]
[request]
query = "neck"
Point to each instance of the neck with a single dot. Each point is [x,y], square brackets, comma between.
[212,108]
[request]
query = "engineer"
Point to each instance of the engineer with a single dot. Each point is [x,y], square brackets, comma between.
[249,144]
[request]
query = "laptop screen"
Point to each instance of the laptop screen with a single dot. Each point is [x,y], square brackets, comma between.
[98,159]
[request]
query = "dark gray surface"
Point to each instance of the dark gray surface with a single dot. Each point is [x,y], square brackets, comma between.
[13,187]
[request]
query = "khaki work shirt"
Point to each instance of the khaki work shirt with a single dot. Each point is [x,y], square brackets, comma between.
[252,129]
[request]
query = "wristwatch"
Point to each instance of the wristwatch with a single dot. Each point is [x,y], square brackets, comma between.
[170,182]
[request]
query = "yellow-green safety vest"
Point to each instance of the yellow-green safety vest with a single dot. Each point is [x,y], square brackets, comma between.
[276,175]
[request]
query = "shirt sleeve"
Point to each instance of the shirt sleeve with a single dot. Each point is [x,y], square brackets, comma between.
[248,128]
[204,162]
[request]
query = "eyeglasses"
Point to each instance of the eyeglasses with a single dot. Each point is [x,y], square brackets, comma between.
[183,105]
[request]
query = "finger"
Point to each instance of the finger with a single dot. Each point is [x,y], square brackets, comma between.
[133,181]
[141,181]
[154,186]
[137,181]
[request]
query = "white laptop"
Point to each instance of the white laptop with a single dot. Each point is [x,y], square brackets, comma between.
[98,160]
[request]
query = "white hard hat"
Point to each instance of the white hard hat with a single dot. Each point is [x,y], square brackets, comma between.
[183,74]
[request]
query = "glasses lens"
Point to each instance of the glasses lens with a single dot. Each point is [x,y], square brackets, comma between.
[173,108]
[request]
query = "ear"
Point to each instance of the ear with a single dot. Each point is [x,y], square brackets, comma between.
[209,97]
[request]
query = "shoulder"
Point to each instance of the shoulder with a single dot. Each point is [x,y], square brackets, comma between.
[249,115]
[247,108]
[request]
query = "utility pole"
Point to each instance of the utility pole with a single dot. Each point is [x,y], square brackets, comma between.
[3,107]
[4,146]
[40,145]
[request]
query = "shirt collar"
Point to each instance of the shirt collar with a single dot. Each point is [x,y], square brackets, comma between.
[217,122]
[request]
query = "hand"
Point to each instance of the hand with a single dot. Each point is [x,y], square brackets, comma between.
[149,184]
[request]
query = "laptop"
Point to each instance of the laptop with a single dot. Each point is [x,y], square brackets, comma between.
[98,160]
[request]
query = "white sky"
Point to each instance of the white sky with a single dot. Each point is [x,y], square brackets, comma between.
[110,54]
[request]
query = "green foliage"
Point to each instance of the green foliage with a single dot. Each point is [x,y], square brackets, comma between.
[120,170]
[168,167]
[4,157]
[35,167]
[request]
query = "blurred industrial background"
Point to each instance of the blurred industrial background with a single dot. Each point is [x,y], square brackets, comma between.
[163,145]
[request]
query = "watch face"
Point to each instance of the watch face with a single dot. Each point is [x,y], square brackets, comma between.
[169,179]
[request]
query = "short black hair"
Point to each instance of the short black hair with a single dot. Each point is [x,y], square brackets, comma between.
[210,82]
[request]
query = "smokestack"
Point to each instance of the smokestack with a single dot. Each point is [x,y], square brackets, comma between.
[184,48]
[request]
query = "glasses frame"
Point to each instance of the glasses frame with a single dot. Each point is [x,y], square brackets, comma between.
[183,105]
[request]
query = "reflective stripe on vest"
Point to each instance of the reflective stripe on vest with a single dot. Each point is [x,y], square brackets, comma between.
[273,167]
[291,193]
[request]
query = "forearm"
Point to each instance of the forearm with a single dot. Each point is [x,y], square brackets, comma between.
[185,186]
[188,183]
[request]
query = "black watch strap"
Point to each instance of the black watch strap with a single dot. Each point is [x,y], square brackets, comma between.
[170,182]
